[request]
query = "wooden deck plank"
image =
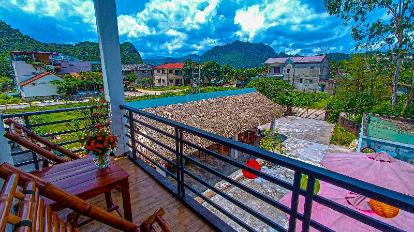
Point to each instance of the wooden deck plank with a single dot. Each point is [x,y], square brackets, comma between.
[146,197]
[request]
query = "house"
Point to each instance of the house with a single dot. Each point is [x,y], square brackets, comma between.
[303,72]
[34,71]
[33,74]
[140,70]
[169,74]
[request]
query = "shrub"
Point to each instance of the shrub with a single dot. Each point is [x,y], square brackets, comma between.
[341,136]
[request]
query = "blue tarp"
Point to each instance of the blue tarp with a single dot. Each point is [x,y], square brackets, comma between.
[187,98]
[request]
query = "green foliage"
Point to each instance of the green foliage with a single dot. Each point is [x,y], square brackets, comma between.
[277,90]
[190,70]
[12,39]
[211,73]
[272,141]
[240,54]
[318,100]
[6,99]
[6,83]
[72,84]
[144,82]
[341,136]
[5,66]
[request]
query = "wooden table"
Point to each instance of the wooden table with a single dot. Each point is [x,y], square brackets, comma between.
[82,178]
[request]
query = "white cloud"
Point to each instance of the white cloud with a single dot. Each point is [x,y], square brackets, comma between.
[177,41]
[271,13]
[205,44]
[60,9]
[128,25]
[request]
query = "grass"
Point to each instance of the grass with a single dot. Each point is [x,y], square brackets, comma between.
[76,114]
[341,136]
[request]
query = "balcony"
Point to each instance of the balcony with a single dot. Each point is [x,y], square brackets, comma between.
[197,195]
[160,155]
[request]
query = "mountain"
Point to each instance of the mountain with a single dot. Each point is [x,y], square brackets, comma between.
[12,39]
[338,56]
[165,59]
[240,54]
[237,54]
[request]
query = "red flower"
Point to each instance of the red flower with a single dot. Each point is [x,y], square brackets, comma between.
[102,100]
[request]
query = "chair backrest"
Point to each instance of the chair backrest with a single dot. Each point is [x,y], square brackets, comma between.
[30,140]
[31,213]
[28,213]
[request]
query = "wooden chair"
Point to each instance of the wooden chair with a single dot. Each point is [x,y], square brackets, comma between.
[31,214]
[41,146]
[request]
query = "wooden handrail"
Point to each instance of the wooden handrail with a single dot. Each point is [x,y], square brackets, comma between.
[34,147]
[80,206]
[40,139]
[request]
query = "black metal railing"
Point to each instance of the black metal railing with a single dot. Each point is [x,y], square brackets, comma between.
[169,147]
[56,125]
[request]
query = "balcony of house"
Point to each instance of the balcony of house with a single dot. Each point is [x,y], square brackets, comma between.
[207,182]
[194,161]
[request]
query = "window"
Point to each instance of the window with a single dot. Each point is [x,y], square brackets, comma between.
[163,71]
[170,71]
[310,81]
[159,81]
[301,80]
[158,71]
[288,70]
[276,70]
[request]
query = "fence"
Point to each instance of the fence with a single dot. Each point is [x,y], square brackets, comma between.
[56,125]
[168,146]
[348,124]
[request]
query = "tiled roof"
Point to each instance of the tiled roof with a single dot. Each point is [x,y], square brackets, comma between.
[296,59]
[37,77]
[171,66]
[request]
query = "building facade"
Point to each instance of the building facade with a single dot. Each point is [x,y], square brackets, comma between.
[140,70]
[305,72]
[169,74]
[34,72]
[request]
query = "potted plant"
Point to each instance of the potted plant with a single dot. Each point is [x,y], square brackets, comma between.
[98,140]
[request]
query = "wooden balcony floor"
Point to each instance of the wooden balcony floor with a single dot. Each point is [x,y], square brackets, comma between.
[147,195]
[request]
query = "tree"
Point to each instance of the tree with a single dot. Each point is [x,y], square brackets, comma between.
[228,73]
[368,31]
[6,83]
[189,70]
[277,90]
[211,72]
[364,86]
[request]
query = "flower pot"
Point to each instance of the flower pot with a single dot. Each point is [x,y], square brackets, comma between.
[101,160]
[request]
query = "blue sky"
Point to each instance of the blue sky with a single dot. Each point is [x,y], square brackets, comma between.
[178,27]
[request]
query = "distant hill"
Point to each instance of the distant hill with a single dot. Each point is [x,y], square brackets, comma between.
[338,56]
[12,39]
[237,54]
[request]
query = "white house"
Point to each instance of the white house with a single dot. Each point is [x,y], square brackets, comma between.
[303,72]
[39,86]
[32,75]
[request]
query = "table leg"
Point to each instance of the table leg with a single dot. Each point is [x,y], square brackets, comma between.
[126,200]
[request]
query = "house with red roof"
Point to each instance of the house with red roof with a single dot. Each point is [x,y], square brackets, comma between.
[306,73]
[170,74]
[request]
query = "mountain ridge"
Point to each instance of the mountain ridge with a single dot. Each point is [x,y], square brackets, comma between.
[12,39]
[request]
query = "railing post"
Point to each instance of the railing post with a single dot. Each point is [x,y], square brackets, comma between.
[179,162]
[5,152]
[132,131]
[294,201]
[27,125]
[308,204]
[182,163]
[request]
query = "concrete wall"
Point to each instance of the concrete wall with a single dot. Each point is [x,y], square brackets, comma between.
[164,77]
[304,76]
[74,67]
[40,88]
